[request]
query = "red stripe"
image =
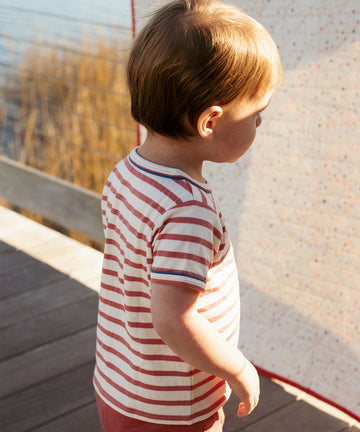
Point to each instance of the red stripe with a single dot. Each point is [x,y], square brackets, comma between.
[197,203]
[225,260]
[157,373]
[194,221]
[225,294]
[110,272]
[204,197]
[128,279]
[124,307]
[132,264]
[152,182]
[166,417]
[224,313]
[159,402]
[137,214]
[233,322]
[217,303]
[133,324]
[145,198]
[123,325]
[125,222]
[186,238]
[115,258]
[156,357]
[136,279]
[184,184]
[222,246]
[124,292]
[232,334]
[123,238]
[127,261]
[111,288]
[143,325]
[307,390]
[161,388]
[137,294]
[182,255]
[113,242]
[139,266]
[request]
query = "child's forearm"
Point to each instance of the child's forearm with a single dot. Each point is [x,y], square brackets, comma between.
[198,343]
[191,336]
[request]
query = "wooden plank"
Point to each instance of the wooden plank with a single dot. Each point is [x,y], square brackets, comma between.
[29,275]
[45,362]
[297,417]
[40,300]
[11,260]
[59,201]
[273,397]
[47,401]
[48,326]
[83,419]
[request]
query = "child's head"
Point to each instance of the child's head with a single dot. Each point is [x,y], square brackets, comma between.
[194,54]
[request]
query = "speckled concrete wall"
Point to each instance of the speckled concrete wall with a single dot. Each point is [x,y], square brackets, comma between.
[292,203]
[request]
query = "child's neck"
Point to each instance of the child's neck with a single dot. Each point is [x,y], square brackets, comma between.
[182,155]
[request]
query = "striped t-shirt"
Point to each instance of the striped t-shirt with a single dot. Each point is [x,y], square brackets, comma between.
[160,225]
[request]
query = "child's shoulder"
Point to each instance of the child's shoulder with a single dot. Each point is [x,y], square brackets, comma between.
[167,183]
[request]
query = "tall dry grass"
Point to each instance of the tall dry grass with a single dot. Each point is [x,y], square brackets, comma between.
[72,114]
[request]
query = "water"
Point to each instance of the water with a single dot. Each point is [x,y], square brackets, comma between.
[65,22]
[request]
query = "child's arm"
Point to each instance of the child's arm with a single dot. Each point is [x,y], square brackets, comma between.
[196,341]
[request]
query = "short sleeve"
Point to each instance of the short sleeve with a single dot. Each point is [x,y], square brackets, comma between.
[185,245]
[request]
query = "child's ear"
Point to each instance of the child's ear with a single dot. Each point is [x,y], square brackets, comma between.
[207,121]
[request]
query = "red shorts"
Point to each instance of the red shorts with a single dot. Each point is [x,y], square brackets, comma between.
[113,421]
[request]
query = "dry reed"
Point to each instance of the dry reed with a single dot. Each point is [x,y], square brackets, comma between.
[72,112]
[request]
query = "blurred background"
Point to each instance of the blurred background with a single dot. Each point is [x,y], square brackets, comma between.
[64,102]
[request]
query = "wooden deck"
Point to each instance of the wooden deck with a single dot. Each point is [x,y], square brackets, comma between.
[47,333]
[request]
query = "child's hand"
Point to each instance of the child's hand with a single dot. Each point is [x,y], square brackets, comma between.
[247,387]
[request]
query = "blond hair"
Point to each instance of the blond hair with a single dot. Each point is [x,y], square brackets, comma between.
[194,54]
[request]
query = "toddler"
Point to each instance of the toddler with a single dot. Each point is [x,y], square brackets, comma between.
[200,73]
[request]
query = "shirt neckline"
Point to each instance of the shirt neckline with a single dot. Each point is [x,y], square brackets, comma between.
[164,171]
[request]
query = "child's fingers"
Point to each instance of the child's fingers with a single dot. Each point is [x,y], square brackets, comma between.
[245,409]
[242,410]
